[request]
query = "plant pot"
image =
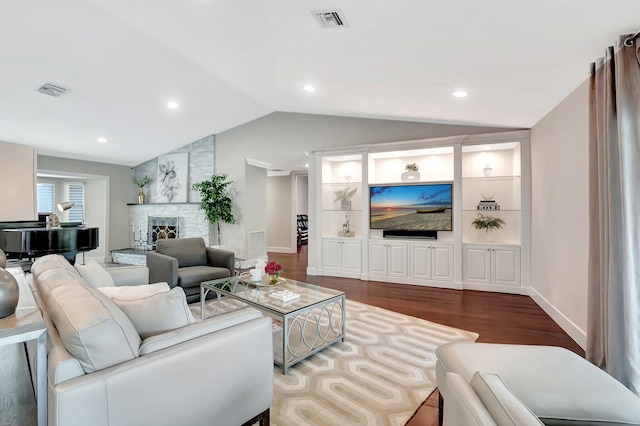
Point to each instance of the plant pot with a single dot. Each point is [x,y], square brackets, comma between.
[345,204]
[488,235]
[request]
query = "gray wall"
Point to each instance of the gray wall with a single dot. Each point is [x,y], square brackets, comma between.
[113,208]
[302,194]
[283,132]
[560,225]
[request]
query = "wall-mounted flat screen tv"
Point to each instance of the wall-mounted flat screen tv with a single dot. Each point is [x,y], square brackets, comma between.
[411,207]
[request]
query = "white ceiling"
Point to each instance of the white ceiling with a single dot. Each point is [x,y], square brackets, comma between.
[228,62]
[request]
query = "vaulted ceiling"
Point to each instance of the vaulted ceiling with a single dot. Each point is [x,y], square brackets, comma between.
[229,62]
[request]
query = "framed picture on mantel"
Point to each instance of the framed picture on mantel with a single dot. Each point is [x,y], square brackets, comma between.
[171,182]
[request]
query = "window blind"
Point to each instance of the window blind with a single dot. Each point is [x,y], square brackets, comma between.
[46,197]
[75,194]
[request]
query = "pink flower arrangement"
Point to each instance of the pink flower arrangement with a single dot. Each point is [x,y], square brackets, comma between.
[273,268]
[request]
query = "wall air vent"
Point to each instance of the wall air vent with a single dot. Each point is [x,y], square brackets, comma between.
[52,90]
[330,18]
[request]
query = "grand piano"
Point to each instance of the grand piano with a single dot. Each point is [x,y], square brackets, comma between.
[32,239]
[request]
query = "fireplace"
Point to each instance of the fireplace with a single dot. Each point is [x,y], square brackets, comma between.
[162,227]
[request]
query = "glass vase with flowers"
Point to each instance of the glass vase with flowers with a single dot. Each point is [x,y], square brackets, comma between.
[273,269]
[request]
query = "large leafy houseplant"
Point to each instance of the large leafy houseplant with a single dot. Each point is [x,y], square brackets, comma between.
[215,200]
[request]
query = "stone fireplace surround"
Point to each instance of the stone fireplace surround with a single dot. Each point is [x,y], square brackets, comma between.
[192,223]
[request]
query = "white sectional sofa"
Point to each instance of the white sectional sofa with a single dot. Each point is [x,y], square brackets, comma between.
[101,372]
[497,384]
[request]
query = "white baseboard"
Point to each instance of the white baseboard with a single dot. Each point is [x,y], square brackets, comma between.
[497,289]
[575,332]
[311,270]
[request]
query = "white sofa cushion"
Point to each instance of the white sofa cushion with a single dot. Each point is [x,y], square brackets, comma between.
[200,328]
[134,292]
[92,328]
[51,261]
[157,313]
[505,408]
[95,275]
[54,278]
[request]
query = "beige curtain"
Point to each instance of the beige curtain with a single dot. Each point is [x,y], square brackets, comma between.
[613,336]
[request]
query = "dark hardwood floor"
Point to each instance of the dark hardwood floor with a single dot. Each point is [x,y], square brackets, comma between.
[497,317]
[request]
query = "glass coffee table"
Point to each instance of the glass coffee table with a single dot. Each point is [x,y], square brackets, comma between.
[313,319]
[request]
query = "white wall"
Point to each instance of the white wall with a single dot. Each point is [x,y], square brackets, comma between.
[283,132]
[560,227]
[280,223]
[18,182]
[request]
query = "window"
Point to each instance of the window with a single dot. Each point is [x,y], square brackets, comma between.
[74,193]
[46,197]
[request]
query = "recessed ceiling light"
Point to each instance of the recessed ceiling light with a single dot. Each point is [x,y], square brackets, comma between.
[102,140]
[306,165]
[172,105]
[460,94]
[309,88]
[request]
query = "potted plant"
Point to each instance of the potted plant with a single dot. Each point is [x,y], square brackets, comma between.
[215,200]
[411,173]
[344,196]
[141,183]
[487,223]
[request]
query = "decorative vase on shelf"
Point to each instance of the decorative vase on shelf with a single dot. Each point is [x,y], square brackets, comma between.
[487,170]
[345,204]
[488,235]
[410,176]
[141,196]
[9,293]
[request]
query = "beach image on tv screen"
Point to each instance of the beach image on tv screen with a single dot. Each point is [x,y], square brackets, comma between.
[411,207]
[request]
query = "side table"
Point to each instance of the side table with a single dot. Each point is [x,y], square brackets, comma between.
[25,325]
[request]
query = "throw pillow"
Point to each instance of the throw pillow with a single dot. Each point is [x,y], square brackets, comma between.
[158,313]
[134,292]
[93,330]
[95,275]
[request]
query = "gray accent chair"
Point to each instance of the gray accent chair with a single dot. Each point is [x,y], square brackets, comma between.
[186,262]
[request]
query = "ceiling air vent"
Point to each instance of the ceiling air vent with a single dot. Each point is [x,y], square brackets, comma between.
[52,90]
[330,18]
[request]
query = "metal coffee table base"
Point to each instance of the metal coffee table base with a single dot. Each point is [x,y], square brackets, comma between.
[308,331]
[301,333]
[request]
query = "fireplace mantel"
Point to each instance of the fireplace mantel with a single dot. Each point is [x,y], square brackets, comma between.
[162,204]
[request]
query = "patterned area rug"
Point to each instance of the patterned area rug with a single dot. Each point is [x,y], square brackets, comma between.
[380,375]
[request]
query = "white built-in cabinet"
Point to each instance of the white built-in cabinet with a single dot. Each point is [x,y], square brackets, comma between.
[342,256]
[431,261]
[491,264]
[490,176]
[388,259]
